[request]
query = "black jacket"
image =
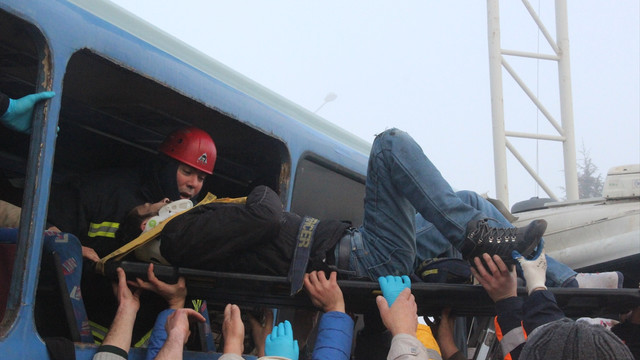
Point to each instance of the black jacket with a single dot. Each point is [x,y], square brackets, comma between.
[257,237]
[4,103]
[630,335]
[93,206]
[537,309]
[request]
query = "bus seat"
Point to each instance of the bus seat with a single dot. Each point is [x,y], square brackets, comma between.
[54,318]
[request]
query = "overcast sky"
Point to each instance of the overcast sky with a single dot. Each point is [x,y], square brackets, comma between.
[423,66]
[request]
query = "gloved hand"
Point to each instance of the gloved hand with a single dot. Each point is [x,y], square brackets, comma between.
[392,286]
[19,113]
[534,270]
[280,342]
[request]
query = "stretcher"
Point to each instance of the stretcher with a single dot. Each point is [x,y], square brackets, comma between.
[220,288]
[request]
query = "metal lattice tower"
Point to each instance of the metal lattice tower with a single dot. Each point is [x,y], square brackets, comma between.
[565,130]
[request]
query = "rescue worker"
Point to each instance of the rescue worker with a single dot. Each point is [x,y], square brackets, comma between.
[93,206]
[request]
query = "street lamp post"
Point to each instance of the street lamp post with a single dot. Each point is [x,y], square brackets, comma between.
[329,98]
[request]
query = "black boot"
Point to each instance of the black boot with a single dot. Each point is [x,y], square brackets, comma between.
[482,238]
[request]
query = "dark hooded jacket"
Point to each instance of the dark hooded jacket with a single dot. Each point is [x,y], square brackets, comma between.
[93,206]
[257,237]
[4,103]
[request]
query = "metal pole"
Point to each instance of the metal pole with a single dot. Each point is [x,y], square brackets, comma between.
[566,101]
[497,102]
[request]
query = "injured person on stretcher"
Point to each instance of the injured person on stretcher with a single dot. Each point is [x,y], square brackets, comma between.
[254,237]
[260,237]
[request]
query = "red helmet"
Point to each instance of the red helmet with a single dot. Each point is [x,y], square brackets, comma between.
[191,146]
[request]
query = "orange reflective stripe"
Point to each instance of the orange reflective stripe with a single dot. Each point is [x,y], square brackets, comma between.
[498,329]
[510,340]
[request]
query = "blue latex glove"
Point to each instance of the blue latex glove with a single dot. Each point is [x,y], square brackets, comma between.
[280,342]
[392,286]
[19,113]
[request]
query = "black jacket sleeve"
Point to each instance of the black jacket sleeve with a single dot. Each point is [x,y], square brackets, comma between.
[211,234]
[4,103]
[540,308]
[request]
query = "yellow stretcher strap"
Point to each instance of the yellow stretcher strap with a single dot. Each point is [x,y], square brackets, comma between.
[153,233]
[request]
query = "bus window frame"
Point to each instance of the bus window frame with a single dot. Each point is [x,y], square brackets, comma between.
[333,168]
[24,278]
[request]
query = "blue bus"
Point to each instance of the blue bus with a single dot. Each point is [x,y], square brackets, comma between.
[121,86]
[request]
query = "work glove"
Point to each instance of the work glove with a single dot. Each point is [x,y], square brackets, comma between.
[392,286]
[280,342]
[534,270]
[19,113]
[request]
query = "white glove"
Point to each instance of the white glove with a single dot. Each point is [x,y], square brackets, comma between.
[534,271]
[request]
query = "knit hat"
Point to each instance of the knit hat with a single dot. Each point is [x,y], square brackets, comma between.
[566,339]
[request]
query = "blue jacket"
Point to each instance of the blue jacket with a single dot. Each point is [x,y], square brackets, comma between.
[158,334]
[335,334]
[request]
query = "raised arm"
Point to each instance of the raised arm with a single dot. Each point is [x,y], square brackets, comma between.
[118,339]
[16,113]
[401,319]
[335,331]
[233,330]
[177,328]
[500,283]
[174,294]
[540,307]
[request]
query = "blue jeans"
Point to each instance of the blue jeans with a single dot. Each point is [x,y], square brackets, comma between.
[68,248]
[432,243]
[401,181]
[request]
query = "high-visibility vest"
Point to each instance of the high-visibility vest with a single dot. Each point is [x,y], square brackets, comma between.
[511,340]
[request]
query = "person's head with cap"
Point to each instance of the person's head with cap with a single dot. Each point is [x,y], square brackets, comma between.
[567,340]
[195,155]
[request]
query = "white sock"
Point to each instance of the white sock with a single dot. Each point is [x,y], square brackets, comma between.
[603,280]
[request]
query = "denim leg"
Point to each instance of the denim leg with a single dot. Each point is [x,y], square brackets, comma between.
[400,181]
[476,201]
[557,272]
[430,242]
